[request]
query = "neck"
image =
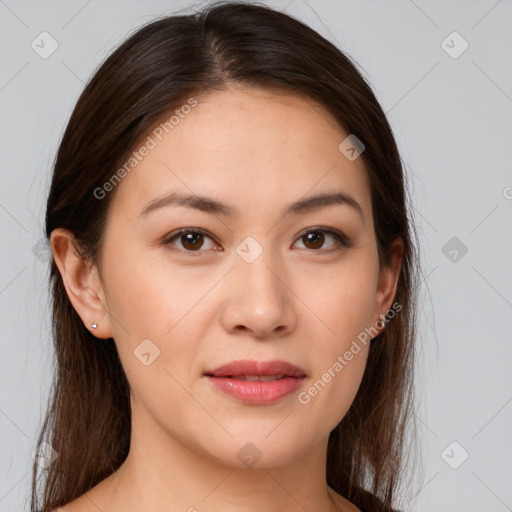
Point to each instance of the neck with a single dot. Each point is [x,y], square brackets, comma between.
[162,473]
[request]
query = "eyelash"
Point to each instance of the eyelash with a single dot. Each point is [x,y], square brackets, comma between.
[341,239]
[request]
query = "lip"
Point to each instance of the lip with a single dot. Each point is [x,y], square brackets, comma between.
[224,378]
[249,367]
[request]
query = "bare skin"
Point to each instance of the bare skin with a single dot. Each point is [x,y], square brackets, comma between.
[301,301]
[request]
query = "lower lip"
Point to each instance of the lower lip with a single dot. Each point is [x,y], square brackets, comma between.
[256,392]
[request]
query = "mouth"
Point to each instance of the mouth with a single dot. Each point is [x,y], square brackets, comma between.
[254,378]
[254,370]
[256,382]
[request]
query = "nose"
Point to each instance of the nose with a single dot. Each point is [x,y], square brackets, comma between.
[259,300]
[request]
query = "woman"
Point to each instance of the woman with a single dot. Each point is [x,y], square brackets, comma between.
[233,278]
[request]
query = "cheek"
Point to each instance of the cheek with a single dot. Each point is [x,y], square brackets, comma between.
[341,310]
[332,388]
[158,347]
[160,309]
[341,301]
[148,295]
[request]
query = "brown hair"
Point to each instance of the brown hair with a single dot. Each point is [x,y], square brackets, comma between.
[153,72]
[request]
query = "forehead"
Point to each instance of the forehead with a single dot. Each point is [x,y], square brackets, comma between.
[246,147]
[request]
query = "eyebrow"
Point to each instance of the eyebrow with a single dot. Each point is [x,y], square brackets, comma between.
[212,206]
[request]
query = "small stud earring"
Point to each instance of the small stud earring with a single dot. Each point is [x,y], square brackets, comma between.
[94,326]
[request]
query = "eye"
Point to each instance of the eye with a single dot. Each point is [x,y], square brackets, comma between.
[315,238]
[191,240]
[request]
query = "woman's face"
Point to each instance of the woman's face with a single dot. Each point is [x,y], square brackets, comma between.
[252,278]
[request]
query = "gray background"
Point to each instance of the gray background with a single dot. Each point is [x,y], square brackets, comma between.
[452,118]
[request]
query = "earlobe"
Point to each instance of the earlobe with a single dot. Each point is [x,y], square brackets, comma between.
[82,283]
[387,284]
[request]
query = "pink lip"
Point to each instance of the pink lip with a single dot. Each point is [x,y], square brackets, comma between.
[256,392]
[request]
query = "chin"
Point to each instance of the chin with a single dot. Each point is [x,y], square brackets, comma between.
[258,451]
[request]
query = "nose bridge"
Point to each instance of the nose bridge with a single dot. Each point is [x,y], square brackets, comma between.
[260,300]
[258,267]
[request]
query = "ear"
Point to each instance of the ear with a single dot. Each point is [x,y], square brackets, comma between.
[387,283]
[82,283]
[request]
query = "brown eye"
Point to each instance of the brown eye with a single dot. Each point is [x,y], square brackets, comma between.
[192,241]
[314,239]
[189,240]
